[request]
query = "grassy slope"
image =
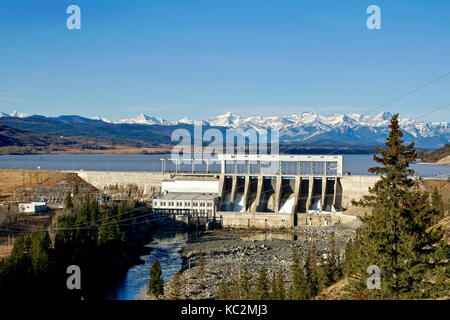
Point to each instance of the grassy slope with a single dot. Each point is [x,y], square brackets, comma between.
[21,180]
[436,155]
[19,141]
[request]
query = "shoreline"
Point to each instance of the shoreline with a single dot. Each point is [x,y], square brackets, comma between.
[434,164]
[106,152]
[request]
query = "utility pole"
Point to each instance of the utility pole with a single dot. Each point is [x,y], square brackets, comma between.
[37,181]
[189,278]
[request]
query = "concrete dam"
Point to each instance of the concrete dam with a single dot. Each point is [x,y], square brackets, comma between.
[254,191]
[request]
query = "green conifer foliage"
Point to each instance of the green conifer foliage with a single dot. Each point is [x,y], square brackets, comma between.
[312,273]
[156,283]
[273,295]
[297,291]
[438,205]
[223,292]
[245,284]
[38,251]
[262,285]
[394,236]
[68,202]
[235,289]
[331,266]
[176,287]
[281,291]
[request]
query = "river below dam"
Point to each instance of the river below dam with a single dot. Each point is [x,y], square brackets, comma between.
[226,249]
[166,247]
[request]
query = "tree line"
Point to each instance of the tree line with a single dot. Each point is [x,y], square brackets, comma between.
[85,235]
[303,281]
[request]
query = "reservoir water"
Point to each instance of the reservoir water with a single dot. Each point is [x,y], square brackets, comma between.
[356,164]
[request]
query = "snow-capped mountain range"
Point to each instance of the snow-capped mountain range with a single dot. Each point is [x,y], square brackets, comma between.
[308,127]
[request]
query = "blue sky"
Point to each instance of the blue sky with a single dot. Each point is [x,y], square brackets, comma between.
[197,58]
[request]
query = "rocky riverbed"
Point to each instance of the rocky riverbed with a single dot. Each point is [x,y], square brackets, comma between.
[226,251]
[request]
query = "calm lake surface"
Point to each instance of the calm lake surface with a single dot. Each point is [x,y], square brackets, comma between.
[356,164]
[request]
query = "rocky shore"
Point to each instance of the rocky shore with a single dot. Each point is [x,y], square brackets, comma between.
[226,251]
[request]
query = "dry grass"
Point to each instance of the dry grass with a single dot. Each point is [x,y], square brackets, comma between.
[444,161]
[23,182]
[334,292]
[443,187]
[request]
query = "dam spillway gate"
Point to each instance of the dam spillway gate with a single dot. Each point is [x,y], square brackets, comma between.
[272,190]
[279,191]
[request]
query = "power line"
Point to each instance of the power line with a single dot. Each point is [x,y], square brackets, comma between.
[409,92]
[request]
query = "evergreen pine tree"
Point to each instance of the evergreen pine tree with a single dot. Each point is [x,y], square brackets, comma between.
[312,273]
[281,291]
[223,293]
[235,289]
[103,230]
[245,284]
[68,202]
[297,290]
[176,287]
[38,251]
[394,236]
[262,285]
[331,266]
[201,264]
[156,283]
[437,204]
[273,287]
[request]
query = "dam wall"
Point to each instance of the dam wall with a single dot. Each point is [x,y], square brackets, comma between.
[257,220]
[354,188]
[347,188]
[255,201]
[150,182]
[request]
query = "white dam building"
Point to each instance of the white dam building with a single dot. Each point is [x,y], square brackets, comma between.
[257,190]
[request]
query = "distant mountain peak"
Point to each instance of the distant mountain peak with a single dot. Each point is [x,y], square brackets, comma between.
[101,119]
[142,119]
[14,114]
[384,115]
